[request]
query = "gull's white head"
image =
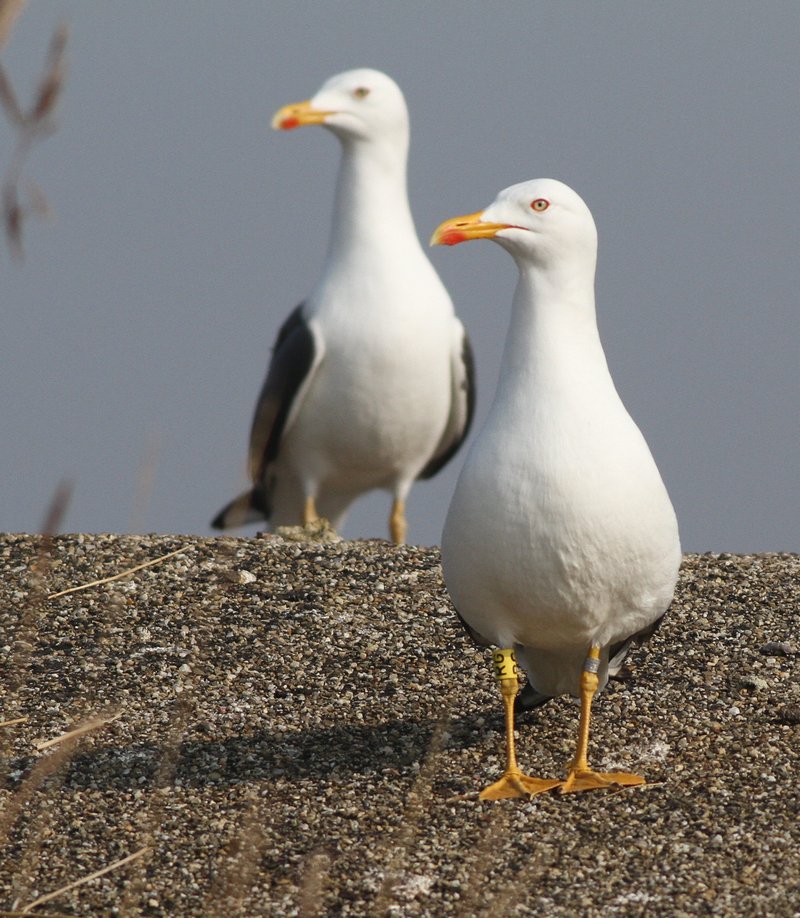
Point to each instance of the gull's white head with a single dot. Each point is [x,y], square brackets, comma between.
[542,221]
[361,104]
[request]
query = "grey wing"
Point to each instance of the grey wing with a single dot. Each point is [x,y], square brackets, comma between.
[297,353]
[294,358]
[462,402]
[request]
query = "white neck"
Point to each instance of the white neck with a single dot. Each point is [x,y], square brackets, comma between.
[553,348]
[371,211]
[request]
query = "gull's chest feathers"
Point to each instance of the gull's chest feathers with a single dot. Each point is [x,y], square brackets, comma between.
[384,376]
[574,481]
[570,530]
[569,449]
[390,320]
[562,486]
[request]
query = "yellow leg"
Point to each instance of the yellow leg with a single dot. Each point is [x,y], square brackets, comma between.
[397,522]
[580,776]
[513,783]
[310,511]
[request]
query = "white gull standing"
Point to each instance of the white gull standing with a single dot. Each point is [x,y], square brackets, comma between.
[371,382]
[561,545]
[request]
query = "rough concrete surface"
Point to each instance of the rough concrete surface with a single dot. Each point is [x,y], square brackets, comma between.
[300,728]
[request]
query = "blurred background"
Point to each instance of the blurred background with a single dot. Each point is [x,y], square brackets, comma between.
[137,328]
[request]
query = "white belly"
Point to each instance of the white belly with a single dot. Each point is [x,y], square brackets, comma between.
[544,556]
[371,418]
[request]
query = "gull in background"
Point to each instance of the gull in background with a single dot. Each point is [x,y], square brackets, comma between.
[371,382]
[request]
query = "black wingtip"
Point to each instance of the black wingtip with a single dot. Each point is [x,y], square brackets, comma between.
[250,507]
[236,513]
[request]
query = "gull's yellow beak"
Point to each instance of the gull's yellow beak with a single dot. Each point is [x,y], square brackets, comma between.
[462,229]
[298,114]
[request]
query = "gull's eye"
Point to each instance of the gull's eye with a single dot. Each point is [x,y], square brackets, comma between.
[361,92]
[540,204]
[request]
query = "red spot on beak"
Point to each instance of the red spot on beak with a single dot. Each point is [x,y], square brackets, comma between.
[289,123]
[451,237]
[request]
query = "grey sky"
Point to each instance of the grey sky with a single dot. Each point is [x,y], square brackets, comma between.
[137,331]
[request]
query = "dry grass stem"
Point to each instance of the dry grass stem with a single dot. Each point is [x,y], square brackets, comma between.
[13,216]
[515,890]
[57,509]
[9,10]
[41,771]
[87,727]
[18,914]
[31,126]
[239,864]
[10,723]
[8,99]
[152,817]
[313,886]
[418,797]
[624,788]
[145,481]
[130,570]
[53,80]
[92,876]
[26,632]
[481,860]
